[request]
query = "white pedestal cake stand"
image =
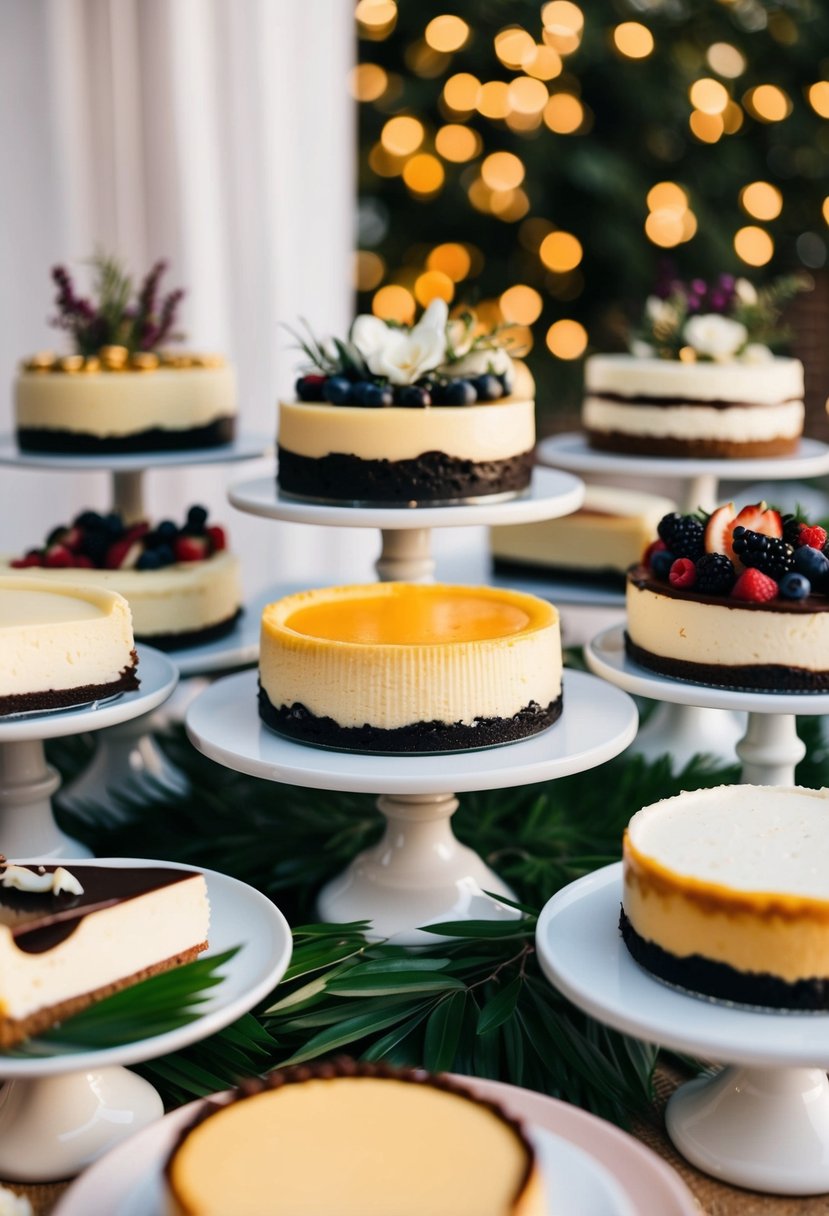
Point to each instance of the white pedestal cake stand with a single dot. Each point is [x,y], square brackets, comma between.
[419,873]
[27,782]
[62,1109]
[406,531]
[762,1122]
[770,748]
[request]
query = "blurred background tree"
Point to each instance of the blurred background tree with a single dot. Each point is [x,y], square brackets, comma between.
[545,163]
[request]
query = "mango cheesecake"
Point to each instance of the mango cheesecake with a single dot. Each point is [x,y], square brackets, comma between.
[726,893]
[400,667]
[349,1139]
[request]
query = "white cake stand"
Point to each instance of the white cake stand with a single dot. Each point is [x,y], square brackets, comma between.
[418,874]
[62,1109]
[769,749]
[27,782]
[406,552]
[128,469]
[762,1122]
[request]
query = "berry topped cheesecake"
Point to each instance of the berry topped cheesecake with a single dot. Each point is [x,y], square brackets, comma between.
[701,380]
[120,389]
[434,413]
[182,583]
[736,599]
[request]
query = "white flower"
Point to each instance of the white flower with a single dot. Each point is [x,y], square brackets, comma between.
[715,336]
[368,334]
[755,352]
[660,312]
[745,292]
[404,355]
[460,336]
[642,350]
[481,360]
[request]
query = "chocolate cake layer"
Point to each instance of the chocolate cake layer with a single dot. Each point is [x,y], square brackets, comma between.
[190,637]
[32,702]
[638,445]
[768,677]
[714,979]
[431,476]
[713,404]
[156,439]
[296,722]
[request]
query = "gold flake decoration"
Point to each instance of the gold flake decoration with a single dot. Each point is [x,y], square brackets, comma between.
[43,361]
[114,358]
[144,361]
[71,364]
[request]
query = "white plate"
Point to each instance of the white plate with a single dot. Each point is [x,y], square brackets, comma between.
[243,447]
[239,916]
[128,1181]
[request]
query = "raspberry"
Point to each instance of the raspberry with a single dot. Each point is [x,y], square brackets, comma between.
[715,574]
[767,553]
[754,586]
[684,535]
[218,539]
[58,557]
[33,558]
[683,573]
[190,549]
[814,537]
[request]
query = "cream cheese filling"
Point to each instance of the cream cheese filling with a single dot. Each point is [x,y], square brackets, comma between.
[493,431]
[742,424]
[768,383]
[124,403]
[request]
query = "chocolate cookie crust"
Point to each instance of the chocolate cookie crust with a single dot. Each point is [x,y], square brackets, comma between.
[31,702]
[156,439]
[767,677]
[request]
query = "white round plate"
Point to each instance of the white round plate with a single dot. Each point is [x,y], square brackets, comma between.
[239,916]
[158,678]
[244,447]
[606,657]
[597,724]
[572,451]
[550,494]
[602,1171]
[582,954]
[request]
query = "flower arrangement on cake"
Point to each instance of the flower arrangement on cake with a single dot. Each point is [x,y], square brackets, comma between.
[377,417]
[734,598]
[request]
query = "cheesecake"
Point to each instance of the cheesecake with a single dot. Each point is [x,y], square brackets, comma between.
[64,647]
[398,667]
[726,894]
[597,543]
[349,1139]
[73,933]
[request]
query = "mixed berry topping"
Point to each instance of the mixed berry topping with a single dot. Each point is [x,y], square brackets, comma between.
[753,555]
[430,390]
[106,542]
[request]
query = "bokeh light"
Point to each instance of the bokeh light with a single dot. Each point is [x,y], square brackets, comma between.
[367,81]
[461,92]
[563,24]
[762,200]
[446,33]
[509,205]
[726,60]
[369,269]
[768,103]
[665,228]
[732,118]
[513,45]
[542,62]
[819,98]
[567,339]
[753,245]
[708,95]
[521,305]
[633,40]
[394,303]
[451,259]
[708,128]
[564,113]
[423,174]
[493,99]
[376,18]
[667,196]
[433,285]
[457,143]
[402,135]
[502,171]
[825,209]
[560,251]
[526,95]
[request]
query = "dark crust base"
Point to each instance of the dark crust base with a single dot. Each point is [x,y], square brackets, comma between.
[693,449]
[191,637]
[157,439]
[31,702]
[431,476]
[768,677]
[15,1030]
[724,983]
[298,723]
[607,580]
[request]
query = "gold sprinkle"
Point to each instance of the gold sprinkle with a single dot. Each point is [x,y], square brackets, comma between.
[208,361]
[91,364]
[114,357]
[144,361]
[43,361]
[71,364]
[688,355]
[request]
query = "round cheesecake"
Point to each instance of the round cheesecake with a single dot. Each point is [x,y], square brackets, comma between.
[665,407]
[343,453]
[726,893]
[174,405]
[61,648]
[349,1139]
[399,667]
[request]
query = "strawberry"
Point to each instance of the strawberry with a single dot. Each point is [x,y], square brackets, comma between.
[72,538]
[33,558]
[760,518]
[718,530]
[814,537]
[81,562]
[136,531]
[755,586]
[123,554]
[683,573]
[190,548]
[58,557]
[217,538]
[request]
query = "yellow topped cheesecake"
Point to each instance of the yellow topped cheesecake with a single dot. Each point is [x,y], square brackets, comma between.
[346,1139]
[726,893]
[410,668]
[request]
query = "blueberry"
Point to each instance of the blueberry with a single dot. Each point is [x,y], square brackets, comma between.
[113,523]
[412,396]
[55,535]
[814,564]
[661,563]
[148,561]
[196,519]
[89,519]
[488,387]
[165,555]
[794,586]
[427,382]
[95,546]
[167,530]
[310,388]
[337,390]
[507,382]
[373,396]
[438,392]
[461,392]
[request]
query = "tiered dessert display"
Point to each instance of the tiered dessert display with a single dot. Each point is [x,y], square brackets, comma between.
[724,897]
[418,873]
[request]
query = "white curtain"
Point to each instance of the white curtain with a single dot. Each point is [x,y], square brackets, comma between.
[218,134]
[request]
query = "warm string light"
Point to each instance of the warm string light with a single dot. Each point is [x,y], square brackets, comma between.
[670,220]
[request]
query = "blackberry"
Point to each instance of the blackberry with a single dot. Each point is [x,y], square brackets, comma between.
[791,530]
[767,553]
[715,574]
[684,535]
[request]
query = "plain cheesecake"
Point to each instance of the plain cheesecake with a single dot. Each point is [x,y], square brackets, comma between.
[348,1139]
[398,667]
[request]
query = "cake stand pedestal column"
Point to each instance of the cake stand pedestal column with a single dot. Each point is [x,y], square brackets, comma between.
[128,494]
[770,750]
[406,556]
[126,760]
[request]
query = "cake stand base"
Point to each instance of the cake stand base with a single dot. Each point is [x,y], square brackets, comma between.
[762,1128]
[127,761]
[52,1127]
[685,731]
[418,874]
[27,825]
